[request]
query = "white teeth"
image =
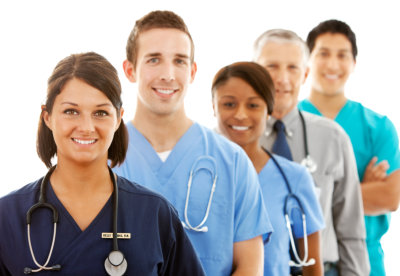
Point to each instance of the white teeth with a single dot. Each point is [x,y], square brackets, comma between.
[332,77]
[165,91]
[240,128]
[84,142]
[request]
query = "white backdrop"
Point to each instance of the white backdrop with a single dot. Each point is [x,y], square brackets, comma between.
[35,35]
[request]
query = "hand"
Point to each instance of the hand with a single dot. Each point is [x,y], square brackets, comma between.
[375,172]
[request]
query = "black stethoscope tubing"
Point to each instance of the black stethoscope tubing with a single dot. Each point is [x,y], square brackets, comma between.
[289,196]
[42,203]
[290,193]
[303,123]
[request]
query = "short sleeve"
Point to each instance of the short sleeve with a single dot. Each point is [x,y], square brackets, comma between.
[386,144]
[251,217]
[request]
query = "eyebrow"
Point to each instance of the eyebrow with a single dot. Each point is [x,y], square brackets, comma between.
[75,104]
[159,54]
[340,50]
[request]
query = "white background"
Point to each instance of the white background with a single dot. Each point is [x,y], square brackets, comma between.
[35,35]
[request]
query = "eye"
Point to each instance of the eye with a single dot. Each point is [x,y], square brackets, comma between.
[153,60]
[101,113]
[344,55]
[228,104]
[71,112]
[253,105]
[271,66]
[323,54]
[180,61]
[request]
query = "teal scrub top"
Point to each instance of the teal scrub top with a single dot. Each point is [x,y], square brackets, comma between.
[371,134]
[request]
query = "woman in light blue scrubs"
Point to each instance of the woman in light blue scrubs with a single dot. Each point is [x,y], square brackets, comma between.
[242,100]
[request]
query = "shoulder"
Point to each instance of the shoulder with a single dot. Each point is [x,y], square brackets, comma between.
[218,142]
[28,190]
[138,193]
[293,170]
[323,125]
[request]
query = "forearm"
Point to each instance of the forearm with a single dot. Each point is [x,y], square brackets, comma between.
[314,252]
[381,197]
[248,257]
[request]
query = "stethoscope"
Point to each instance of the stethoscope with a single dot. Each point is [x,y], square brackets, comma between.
[307,162]
[213,173]
[291,195]
[115,264]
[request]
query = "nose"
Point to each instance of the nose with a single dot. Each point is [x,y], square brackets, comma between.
[281,76]
[168,72]
[240,113]
[333,62]
[86,124]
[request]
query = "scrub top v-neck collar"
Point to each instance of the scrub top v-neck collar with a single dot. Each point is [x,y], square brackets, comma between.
[183,147]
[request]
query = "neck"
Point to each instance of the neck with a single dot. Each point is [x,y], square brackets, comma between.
[279,114]
[81,180]
[328,105]
[257,156]
[162,131]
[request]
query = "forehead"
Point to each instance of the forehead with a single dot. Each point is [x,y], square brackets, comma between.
[281,52]
[164,41]
[333,41]
[235,86]
[76,90]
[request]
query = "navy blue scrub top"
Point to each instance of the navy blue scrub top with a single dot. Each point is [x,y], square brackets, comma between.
[158,243]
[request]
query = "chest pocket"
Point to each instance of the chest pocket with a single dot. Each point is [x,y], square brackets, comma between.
[324,188]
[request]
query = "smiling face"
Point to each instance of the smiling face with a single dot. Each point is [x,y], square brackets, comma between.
[163,71]
[241,112]
[331,63]
[83,121]
[284,61]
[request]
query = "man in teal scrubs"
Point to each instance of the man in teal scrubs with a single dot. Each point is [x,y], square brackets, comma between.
[333,57]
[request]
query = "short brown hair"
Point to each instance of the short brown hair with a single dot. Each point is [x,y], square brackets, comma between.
[96,71]
[253,74]
[154,20]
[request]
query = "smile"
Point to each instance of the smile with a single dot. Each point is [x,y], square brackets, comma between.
[165,91]
[84,142]
[331,77]
[240,128]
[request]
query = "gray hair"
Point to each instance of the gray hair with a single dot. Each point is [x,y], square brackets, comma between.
[280,36]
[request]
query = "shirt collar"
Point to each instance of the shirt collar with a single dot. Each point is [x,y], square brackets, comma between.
[288,120]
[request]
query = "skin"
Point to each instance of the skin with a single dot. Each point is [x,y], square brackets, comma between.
[83,122]
[332,63]
[241,117]
[163,65]
[285,63]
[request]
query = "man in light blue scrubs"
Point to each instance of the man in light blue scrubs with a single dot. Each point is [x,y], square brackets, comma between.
[209,180]
[333,57]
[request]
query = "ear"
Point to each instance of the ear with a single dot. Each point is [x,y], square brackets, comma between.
[193,71]
[214,107]
[354,65]
[306,72]
[46,117]
[129,70]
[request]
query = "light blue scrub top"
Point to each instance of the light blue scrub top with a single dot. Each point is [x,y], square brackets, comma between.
[371,134]
[274,188]
[237,210]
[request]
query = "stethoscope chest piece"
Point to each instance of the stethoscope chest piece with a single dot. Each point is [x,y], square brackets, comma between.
[115,264]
